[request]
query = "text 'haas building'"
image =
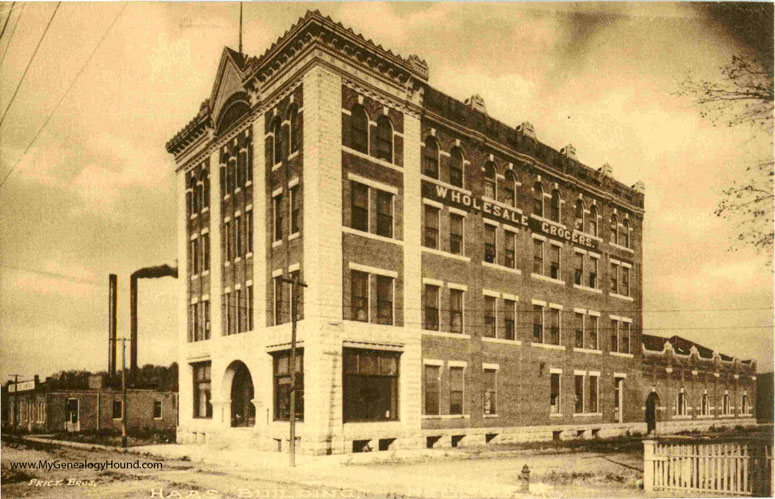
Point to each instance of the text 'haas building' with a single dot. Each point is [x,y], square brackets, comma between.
[466,283]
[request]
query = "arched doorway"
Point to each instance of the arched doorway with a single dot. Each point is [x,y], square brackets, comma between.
[243,412]
[652,403]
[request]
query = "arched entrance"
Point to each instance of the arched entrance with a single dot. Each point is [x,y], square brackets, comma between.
[652,403]
[243,412]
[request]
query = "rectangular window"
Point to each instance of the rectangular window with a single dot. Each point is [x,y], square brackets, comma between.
[206,319]
[578,271]
[538,323]
[432,391]
[614,269]
[431,296]
[489,317]
[456,390]
[578,385]
[554,393]
[370,388]
[277,206]
[206,252]
[237,237]
[239,312]
[592,407]
[510,252]
[614,336]
[384,300]
[490,392]
[538,256]
[192,322]
[249,226]
[593,273]
[554,339]
[279,305]
[360,296]
[360,207]
[250,163]
[554,268]
[456,310]
[282,386]
[384,214]
[295,209]
[489,243]
[157,409]
[593,342]
[455,234]
[226,322]
[579,328]
[625,289]
[118,413]
[509,319]
[624,344]
[297,309]
[202,406]
[195,256]
[431,238]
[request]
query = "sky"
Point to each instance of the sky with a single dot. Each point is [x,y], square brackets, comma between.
[94,194]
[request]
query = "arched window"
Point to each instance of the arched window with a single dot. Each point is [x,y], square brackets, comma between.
[384,139]
[744,405]
[510,189]
[592,225]
[430,158]
[579,215]
[538,200]
[705,407]
[190,182]
[456,167]
[725,405]
[555,215]
[614,230]
[489,180]
[277,130]
[293,119]
[359,129]
[625,239]
[681,404]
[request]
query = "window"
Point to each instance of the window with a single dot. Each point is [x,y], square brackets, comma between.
[384,300]
[625,239]
[489,243]
[384,214]
[238,325]
[250,308]
[224,186]
[194,255]
[624,344]
[360,296]
[456,390]
[490,182]
[430,158]
[681,404]
[554,393]
[538,256]
[593,273]
[202,406]
[705,404]
[509,319]
[538,200]
[279,305]
[490,392]
[593,385]
[554,263]
[456,234]
[242,158]
[431,296]
[744,409]
[226,305]
[278,142]
[192,322]
[456,310]
[278,217]
[157,409]
[612,272]
[725,405]
[370,389]
[249,168]
[432,390]
[510,241]
[625,290]
[431,227]
[196,198]
[593,343]
[554,339]
[614,230]
[360,207]
[490,326]
[118,413]
[293,118]
[592,223]
[538,323]
[282,386]
[614,335]
[249,226]
[237,237]
[578,326]
[555,214]
[618,385]
[579,225]
[295,209]
[384,139]
[231,181]
[578,391]
[359,126]
[206,252]
[578,271]
[510,189]
[205,306]
[206,192]
[228,241]
[456,167]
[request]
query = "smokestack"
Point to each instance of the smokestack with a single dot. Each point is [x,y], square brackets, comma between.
[112,308]
[146,273]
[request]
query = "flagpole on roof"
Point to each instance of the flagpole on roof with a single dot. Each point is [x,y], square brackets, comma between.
[240,28]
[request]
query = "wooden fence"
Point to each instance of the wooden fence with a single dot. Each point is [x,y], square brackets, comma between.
[743,469]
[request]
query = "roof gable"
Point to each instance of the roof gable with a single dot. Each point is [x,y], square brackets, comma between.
[228,81]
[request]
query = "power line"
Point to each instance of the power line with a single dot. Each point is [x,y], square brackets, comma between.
[13,32]
[62,98]
[5,25]
[29,63]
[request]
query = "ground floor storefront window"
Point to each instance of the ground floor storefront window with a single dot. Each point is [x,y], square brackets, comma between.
[202,406]
[282,385]
[370,385]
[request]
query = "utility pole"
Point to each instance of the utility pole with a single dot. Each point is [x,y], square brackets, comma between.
[14,404]
[240,28]
[123,389]
[295,283]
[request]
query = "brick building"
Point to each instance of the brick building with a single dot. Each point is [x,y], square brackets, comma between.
[466,282]
[37,407]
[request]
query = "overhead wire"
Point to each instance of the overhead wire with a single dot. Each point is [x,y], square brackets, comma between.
[13,32]
[5,24]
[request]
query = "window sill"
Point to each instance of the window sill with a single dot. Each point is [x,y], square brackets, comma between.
[623,248]
[683,417]
[546,278]
[373,159]
[444,334]
[249,255]
[445,184]
[488,416]
[157,419]
[502,267]
[350,230]
[238,189]
[587,414]
[547,346]
[238,259]
[293,236]
[277,243]
[621,354]
[501,340]
[193,216]
[205,273]
[226,264]
[293,155]
[705,416]
[555,415]
[502,204]
[205,209]
[621,297]
[587,234]
[277,166]
[248,183]
[226,197]
[587,350]
[591,290]
[549,221]
[446,416]
[195,277]
[447,254]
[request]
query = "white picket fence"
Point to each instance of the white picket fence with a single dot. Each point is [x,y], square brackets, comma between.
[734,469]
